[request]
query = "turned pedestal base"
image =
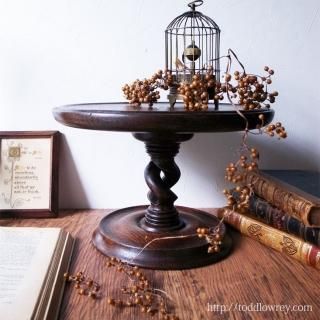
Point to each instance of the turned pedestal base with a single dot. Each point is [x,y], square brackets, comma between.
[124,232]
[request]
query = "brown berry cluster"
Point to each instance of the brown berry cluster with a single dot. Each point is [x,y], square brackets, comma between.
[145,91]
[238,198]
[235,171]
[84,285]
[235,174]
[250,91]
[277,128]
[196,94]
[213,236]
[140,293]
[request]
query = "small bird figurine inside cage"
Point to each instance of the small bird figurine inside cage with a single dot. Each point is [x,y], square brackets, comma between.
[192,45]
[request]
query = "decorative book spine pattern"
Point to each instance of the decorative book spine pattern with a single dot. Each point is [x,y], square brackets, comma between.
[273,238]
[283,198]
[282,221]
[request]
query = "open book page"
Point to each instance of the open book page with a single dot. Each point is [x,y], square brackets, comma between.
[25,254]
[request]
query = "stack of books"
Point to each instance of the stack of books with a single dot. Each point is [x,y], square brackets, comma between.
[283,213]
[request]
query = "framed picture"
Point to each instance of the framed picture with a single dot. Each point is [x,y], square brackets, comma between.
[29,167]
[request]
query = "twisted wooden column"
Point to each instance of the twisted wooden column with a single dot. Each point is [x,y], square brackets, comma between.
[124,232]
[161,174]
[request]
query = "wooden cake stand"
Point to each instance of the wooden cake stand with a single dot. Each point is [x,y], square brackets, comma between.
[124,232]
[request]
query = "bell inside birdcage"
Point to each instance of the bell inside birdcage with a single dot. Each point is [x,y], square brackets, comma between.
[192,44]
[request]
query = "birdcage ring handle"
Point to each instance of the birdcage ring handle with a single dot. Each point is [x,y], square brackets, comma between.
[194,4]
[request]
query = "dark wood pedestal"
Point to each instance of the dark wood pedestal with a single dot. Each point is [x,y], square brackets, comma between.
[125,232]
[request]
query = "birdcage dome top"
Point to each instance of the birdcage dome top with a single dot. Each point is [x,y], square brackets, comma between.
[193,21]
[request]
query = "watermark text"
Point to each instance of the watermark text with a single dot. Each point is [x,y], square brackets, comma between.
[258,307]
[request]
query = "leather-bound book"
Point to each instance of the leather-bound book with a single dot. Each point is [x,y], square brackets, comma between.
[293,201]
[264,211]
[273,238]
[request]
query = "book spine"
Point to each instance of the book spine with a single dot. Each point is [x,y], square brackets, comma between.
[289,202]
[282,221]
[273,238]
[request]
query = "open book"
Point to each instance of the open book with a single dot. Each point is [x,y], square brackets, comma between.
[32,264]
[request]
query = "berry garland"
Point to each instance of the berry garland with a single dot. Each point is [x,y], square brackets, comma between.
[248,91]
[140,293]
[245,92]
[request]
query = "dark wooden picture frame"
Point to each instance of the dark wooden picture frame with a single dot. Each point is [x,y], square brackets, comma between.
[12,152]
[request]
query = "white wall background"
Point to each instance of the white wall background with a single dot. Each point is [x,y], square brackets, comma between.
[68,51]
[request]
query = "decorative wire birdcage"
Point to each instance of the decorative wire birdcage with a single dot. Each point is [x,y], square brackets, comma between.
[192,45]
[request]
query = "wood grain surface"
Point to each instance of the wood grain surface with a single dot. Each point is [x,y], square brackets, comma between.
[251,276]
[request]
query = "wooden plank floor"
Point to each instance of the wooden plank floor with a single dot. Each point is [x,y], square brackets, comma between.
[253,276]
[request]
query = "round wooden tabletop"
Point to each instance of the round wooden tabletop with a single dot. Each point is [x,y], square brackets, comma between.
[122,116]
